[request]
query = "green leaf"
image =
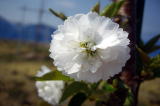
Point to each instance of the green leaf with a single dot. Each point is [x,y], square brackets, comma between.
[112,9]
[78,99]
[152,70]
[109,88]
[145,58]
[74,88]
[59,15]
[154,48]
[129,99]
[108,10]
[151,43]
[155,66]
[54,75]
[96,8]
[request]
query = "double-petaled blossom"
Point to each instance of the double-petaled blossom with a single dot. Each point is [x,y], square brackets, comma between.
[89,47]
[50,91]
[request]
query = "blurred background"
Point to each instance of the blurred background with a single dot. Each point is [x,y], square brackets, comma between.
[25,33]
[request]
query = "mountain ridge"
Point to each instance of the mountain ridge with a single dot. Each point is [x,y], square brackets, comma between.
[28,33]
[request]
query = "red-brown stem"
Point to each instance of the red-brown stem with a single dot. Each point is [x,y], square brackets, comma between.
[130,74]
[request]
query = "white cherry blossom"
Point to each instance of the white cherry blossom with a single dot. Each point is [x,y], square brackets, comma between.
[50,91]
[89,47]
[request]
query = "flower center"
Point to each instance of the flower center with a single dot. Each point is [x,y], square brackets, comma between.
[88,48]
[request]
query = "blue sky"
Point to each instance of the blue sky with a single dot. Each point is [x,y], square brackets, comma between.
[12,11]
[151,19]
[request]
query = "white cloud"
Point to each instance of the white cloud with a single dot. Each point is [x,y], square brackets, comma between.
[66,4]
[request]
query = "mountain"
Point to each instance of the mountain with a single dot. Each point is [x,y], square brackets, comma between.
[37,33]
[27,33]
[7,30]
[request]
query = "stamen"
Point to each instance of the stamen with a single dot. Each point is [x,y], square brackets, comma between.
[88,48]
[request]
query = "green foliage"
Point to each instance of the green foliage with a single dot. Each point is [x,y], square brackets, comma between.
[154,48]
[155,66]
[54,75]
[144,57]
[150,45]
[57,14]
[129,99]
[112,9]
[101,91]
[109,88]
[74,88]
[151,66]
[152,70]
[77,99]
[96,8]
[96,91]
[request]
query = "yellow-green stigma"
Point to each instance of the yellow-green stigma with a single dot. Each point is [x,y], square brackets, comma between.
[88,50]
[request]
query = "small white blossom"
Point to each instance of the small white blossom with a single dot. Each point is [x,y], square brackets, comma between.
[50,91]
[89,47]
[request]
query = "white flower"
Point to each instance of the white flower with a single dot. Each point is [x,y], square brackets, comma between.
[44,70]
[90,47]
[50,91]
